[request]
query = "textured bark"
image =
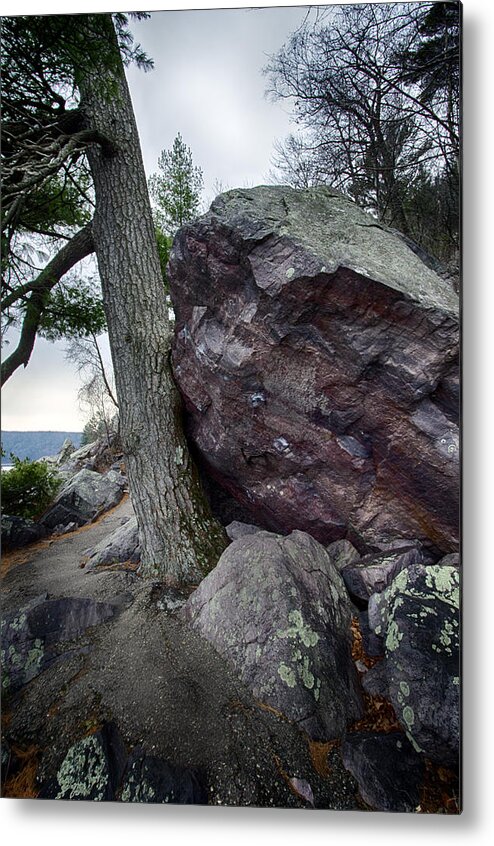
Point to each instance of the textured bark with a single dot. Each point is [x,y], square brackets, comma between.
[179,539]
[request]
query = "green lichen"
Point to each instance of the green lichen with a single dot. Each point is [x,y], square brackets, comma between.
[393,636]
[139,790]
[305,674]
[287,675]
[299,630]
[404,688]
[445,581]
[18,622]
[408,716]
[413,742]
[84,771]
[303,636]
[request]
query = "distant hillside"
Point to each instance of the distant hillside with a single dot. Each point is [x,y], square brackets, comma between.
[35,444]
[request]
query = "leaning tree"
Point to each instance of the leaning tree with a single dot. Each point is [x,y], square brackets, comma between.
[179,538]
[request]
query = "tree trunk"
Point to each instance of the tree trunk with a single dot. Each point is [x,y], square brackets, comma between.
[180,541]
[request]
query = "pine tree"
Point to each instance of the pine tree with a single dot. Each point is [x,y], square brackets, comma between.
[176,188]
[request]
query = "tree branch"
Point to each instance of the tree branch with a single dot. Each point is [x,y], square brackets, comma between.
[80,246]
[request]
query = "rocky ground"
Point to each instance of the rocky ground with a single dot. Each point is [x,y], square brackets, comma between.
[317,664]
[165,687]
[139,706]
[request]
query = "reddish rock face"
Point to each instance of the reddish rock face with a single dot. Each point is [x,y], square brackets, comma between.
[317,357]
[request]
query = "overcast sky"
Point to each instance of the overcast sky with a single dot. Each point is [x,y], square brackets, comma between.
[207,84]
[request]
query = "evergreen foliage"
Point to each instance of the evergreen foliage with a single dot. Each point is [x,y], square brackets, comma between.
[176,188]
[28,488]
[47,192]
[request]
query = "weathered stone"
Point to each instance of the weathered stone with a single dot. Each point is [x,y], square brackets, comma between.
[277,610]
[388,770]
[373,573]
[63,530]
[372,643]
[342,554]
[451,560]
[312,349]
[84,497]
[121,545]
[237,529]
[6,755]
[375,681]
[67,449]
[18,532]
[30,636]
[93,767]
[150,779]
[418,617]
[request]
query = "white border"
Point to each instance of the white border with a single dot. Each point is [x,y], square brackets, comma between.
[50,823]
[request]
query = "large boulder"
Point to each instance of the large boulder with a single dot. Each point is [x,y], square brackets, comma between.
[83,498]
[418,618]
[318,358]
[276,608]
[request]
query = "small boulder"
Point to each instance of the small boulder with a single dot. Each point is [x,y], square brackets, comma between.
[92,768]
[342,554]
[373,573]
[30,636]
[388,770]
[83,498]
[121,545]
[418,617]
[372,643]
[276,608]
[150,779]
[375,681]
[18,532]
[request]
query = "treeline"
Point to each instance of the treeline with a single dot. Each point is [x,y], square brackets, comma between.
[375,91]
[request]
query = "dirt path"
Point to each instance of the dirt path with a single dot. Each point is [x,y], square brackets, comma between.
[54,566]
[164,686]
